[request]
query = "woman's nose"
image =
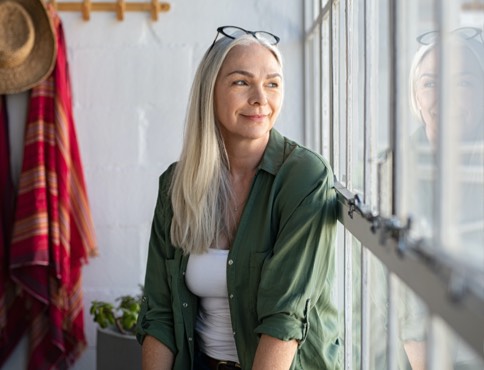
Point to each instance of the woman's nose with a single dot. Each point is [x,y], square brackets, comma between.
[258,96]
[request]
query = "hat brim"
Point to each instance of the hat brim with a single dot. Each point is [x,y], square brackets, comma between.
[41,60]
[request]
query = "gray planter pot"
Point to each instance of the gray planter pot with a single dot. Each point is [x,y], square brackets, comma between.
[115,351]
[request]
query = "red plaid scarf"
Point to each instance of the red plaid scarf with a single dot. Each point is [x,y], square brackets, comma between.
[53,233]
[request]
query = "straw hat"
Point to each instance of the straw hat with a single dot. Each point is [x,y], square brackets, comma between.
[27,44]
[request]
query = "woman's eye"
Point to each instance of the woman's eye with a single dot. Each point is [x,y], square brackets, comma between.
[240,83]
[429,84]
[464,83]
[273,84]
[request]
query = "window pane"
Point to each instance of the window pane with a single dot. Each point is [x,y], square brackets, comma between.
[378,191]
[458,354]
[339,80]
[339,285]
[445,156]
[326,89]
[435,148]
[313,88]
[412,326]
[415,160]
[356,89]
[460,137]
[378,314]
[410,315]
[356,325]
[311,11]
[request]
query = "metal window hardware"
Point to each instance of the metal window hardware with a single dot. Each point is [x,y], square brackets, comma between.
[391,227]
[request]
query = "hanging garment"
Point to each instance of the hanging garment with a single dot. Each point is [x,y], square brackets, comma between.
[12,308]
[53,233]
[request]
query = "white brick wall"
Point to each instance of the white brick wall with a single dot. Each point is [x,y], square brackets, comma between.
[130,83]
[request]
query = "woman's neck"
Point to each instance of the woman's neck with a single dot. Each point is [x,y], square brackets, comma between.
[244,157]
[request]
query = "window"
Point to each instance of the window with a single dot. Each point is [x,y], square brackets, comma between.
[395,100]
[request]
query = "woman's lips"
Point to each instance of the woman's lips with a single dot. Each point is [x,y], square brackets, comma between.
[255,117]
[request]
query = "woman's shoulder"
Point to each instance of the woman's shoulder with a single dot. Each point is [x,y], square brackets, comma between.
[168,172]
[305,162]
[301,172]
[165,179]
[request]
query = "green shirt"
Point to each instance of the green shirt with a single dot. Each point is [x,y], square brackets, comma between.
[280,268]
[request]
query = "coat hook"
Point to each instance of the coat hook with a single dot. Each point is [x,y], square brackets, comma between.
[120,9]
[86,9]
[155,8]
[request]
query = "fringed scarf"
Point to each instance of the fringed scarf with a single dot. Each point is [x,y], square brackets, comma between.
[53,232]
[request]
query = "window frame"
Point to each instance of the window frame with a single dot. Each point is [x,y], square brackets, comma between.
[444,284]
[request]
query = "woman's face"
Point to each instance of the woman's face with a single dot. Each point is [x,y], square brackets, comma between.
[466,84]
[469,84]
[248,93]
[426,93]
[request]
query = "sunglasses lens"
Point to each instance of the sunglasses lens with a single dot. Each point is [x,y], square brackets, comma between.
[268,37]
[233,32]
[467,33]
[428,38]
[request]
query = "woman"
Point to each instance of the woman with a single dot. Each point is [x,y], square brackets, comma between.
[240,263]
[462,90]
[465,81]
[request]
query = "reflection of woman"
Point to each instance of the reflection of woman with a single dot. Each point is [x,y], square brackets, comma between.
[464,79]
[464,85]
[240,263]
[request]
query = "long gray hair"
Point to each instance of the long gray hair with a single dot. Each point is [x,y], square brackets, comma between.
[200,189]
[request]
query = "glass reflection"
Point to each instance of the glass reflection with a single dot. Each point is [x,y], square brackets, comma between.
[460,80]
[446,86]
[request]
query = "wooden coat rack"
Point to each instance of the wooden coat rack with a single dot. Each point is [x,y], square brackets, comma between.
[119,7]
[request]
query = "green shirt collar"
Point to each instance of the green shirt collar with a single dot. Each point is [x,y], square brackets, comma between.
[274,154]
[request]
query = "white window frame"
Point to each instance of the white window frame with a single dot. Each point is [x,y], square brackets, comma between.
[442,283]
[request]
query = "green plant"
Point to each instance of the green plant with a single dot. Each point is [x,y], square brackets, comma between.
[123,316]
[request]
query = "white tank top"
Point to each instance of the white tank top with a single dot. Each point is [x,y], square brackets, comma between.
[206,278]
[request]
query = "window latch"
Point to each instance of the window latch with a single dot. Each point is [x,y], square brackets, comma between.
[390,227]
[355,204]
[394,228]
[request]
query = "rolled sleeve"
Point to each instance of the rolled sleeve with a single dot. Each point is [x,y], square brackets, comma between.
[156,314]
[295,276]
